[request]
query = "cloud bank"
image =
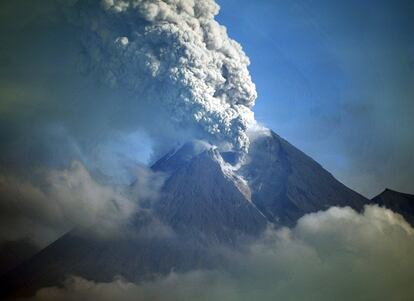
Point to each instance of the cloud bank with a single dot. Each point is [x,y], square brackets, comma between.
[61,200]
[336,254]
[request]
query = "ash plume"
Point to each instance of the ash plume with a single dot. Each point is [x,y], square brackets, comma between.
[175,57]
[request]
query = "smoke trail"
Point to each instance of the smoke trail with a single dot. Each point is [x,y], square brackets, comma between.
[173,55]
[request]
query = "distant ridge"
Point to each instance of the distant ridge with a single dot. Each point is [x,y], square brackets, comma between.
[402,203]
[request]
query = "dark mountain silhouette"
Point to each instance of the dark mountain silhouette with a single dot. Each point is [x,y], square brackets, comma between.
[13,253]
[398,202]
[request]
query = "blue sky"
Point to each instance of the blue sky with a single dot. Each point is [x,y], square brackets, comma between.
[335,78]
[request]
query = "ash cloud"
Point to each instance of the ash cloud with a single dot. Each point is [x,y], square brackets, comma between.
[174,56]
[80,76]
[336,254]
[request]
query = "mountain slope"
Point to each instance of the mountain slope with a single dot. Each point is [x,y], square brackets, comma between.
[205,200]
[286,183]
[204,205]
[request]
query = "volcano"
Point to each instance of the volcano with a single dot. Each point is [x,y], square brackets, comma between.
[207,202]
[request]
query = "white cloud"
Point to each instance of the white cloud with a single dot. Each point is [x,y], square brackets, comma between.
[84,202]
[62,199]
[337,254]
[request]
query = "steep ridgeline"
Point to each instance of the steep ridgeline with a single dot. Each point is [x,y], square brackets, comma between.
[401,203]
[286,184]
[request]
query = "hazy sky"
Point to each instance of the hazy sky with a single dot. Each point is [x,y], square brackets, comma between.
[336,79]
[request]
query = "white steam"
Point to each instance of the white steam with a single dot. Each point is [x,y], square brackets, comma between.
[173,55]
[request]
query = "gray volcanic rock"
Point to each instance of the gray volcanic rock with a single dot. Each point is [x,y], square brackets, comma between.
[399,202]
[205,200]
[286,183]
[177,158]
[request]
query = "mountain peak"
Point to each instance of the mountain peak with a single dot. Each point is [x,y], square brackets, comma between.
[207,155]
[180,156]
[399,202]
[205,199]
[395,192]
[286,183]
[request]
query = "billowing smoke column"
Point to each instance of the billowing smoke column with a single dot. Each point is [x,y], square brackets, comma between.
[174,55]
